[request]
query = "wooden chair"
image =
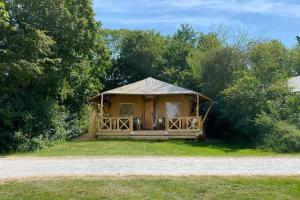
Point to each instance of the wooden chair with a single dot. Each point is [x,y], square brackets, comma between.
[137,123]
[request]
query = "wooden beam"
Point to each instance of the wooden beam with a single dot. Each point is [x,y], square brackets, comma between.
[197,107]
[166,123]
[205,116]
[101,106]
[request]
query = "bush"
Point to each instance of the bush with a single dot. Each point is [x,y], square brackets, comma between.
[278,135]
[61,125]
[25,143]
[77,123]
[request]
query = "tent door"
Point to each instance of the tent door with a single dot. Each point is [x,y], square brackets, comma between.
[149,108]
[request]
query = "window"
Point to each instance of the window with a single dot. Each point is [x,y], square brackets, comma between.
[126,109]
[173,109]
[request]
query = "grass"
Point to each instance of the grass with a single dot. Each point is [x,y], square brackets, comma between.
[121,188]
[148,148]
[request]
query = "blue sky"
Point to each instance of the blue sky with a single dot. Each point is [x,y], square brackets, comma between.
[279,19]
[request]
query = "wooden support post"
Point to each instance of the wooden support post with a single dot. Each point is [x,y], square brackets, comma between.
[131,123]
[204,118]
[118,123]
[97,123]
[199,126]
[180,126]
[166,123]
[101,106]
[197,107]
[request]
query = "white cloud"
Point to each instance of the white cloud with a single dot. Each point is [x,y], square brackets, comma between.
[271,7]
[195,12]
[203,21]
[234,14]
[158,12]
[217,7]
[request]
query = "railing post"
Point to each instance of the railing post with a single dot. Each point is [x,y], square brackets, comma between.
[110,124]
[186,123]
[131,123]
[197,108]
[118,123]
[97,123]
[200,123]
[166,123]
[180,124]
[101,106]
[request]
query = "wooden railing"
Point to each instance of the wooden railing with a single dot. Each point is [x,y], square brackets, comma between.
[183,123]
[170,123]
[114,123]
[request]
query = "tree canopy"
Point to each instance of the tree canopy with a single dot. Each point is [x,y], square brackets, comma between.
[52,58]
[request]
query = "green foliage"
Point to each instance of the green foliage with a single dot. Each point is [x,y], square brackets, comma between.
[28,144]
[245,77]
[78,122]
[277,135]
[261,92]
[294,59]
[54,54]
[186,34]
[209,41]
[216,68]
[176,67]
[268,60]
[213,63]
[136,55]
[241,102]
[51,58]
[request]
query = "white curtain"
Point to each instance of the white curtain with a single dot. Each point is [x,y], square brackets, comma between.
[173,109]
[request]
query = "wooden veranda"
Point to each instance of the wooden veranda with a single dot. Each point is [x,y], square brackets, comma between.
[163,111]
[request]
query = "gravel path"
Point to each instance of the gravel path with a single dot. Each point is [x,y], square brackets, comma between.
[12,167]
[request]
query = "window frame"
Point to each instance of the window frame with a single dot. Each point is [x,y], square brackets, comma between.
[126,115]
[179,108]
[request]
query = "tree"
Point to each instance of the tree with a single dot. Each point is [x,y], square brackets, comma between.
[207,43]
[52,57]
[140,56]
[178,47]
[294,59]
[20,70]
[218,67]
[268,60]
[259,88]
[213,65]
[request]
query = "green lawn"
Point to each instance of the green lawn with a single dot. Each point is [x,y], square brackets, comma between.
[148,148]
[216,188]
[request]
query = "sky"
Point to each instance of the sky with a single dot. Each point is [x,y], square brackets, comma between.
[269,19]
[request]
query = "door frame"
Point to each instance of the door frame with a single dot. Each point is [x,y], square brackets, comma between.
[151,117]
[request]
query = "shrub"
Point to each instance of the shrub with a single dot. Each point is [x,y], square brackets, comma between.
[77,123]
[61,125]
[278,135]
[25,143]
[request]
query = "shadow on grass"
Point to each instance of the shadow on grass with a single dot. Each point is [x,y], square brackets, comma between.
[227,147]
[215,144]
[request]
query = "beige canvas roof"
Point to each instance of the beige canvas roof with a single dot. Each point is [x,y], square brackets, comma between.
[150,86]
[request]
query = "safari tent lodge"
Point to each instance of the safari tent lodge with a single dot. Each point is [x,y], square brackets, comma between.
[148,109]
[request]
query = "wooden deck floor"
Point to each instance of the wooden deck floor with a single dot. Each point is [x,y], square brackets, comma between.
[150,134]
